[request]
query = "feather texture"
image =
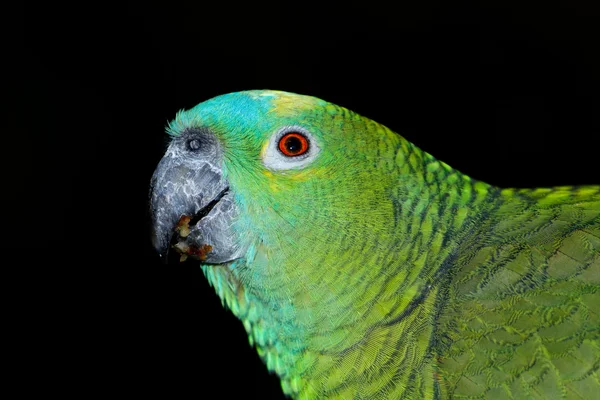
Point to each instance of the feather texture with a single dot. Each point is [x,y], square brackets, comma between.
[377,271]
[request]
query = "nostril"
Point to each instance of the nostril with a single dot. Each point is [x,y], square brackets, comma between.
[194,145]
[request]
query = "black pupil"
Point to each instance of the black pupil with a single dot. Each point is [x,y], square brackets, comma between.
[194,144]
[293,144]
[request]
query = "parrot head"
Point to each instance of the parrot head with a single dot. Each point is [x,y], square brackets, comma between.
[308,219]
[273,181]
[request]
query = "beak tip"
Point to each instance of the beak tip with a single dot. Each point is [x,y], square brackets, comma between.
[160,244]
[164,259]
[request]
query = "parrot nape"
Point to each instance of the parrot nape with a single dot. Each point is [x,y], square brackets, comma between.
[362,267]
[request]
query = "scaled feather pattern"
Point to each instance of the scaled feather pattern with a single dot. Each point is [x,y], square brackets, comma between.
[365,268]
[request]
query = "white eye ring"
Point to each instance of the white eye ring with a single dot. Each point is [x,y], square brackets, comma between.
[275,159]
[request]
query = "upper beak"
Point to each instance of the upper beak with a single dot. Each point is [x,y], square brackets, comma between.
[190,196]
[179,189]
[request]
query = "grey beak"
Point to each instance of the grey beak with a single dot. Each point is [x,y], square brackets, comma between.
[189,199]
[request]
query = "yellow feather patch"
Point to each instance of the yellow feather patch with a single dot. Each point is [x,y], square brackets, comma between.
[285,104]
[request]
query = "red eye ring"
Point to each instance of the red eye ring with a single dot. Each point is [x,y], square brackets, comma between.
[293,144]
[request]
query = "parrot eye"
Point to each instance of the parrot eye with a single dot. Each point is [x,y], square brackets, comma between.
[291,147]
[293,144]
[193,144]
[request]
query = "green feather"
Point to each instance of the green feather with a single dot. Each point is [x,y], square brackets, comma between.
[377,271]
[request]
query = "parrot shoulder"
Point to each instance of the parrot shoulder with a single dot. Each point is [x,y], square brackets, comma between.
[522,317]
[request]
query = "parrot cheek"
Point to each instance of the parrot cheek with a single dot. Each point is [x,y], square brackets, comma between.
[213,239]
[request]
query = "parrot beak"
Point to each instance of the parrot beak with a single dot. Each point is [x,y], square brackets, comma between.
[192,210]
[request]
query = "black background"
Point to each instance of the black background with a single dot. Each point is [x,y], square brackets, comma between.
[504,92]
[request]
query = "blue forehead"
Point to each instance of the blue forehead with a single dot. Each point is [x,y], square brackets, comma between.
[228,111]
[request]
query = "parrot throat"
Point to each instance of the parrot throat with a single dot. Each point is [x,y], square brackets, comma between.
[367,330]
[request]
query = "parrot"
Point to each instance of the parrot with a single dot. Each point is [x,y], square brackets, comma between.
[362,267]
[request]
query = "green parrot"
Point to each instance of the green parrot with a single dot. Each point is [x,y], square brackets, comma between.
[362,267]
